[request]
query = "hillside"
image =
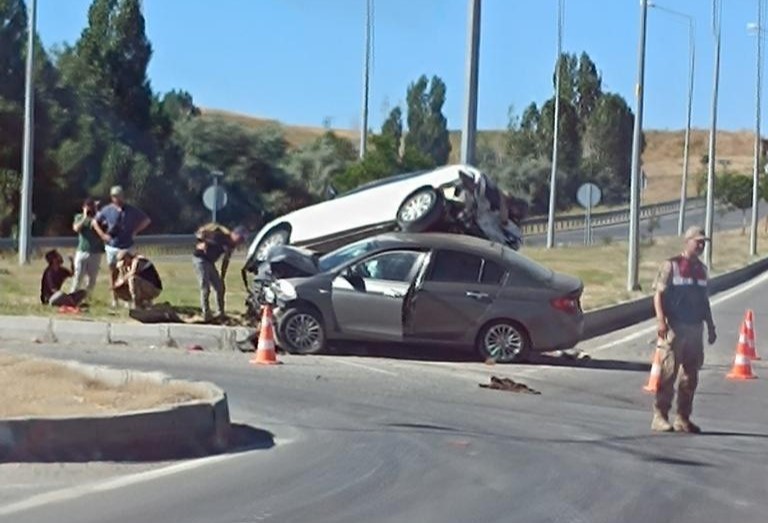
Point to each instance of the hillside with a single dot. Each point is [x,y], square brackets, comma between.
[662,158]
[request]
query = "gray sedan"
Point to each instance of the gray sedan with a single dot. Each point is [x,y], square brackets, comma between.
[431,288]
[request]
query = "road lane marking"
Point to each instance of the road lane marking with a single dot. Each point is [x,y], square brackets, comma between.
[715,302]
[366,367]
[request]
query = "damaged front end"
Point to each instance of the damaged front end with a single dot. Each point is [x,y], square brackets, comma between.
[282,262]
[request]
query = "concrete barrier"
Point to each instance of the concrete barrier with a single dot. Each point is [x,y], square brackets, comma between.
[193,428]
[76,331]
[27,328]
[616,317]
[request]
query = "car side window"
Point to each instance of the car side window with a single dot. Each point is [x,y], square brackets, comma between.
[455,267]
[389,266]
[493,273]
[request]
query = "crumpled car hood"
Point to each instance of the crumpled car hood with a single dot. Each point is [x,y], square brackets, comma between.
[287,261]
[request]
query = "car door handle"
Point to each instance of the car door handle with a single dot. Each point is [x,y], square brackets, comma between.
[477,295]
[392,294]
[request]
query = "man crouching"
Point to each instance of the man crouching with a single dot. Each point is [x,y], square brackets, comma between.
[138,282]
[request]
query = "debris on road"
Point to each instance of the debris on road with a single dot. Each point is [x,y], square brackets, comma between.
[509,385]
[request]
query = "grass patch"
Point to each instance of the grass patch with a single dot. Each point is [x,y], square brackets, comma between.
[603,268]
[40,387]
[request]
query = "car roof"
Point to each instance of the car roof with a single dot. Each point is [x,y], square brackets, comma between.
[437,240]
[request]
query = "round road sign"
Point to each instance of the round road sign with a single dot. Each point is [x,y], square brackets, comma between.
[215,198]
[588,195]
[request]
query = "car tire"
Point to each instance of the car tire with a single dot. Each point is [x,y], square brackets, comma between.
[417,214]
[279,235]
[503,341]
[300,330]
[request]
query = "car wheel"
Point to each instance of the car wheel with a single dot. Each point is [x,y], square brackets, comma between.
[301,331]
[275,237]
[421,211]
[504,341]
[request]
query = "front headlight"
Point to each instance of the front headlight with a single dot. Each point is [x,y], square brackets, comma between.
[285,290]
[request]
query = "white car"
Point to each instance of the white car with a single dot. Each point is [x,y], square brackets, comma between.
[412,202]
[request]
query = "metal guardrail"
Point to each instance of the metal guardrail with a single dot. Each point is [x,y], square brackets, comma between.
[530,226]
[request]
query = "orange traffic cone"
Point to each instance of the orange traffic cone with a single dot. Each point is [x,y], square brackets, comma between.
[742,368]
[653,380]
[750,333]
[265,350]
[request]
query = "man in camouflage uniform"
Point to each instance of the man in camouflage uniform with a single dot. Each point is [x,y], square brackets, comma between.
[214,241]
[682,308]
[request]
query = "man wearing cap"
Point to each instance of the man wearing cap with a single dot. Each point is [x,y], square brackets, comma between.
[117,224]
[682,308]
[213,242]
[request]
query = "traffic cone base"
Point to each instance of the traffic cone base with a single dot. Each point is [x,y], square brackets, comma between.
[266,349]
[742,369]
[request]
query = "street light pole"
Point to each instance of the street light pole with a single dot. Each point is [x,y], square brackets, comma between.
[556,131]
[717,11]
[366,78]
[469,130]
[756,171]
[633,282]
[25,214]
[686,146]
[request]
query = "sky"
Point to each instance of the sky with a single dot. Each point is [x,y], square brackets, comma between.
[301,61]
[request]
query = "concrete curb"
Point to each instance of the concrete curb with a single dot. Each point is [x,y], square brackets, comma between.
[193,428]
[616,317]
[209,337]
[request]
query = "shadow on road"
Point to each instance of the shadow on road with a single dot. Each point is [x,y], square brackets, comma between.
[456,356]
[242,438]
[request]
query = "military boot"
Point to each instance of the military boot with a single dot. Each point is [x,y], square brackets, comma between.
[686,425]
[661,423]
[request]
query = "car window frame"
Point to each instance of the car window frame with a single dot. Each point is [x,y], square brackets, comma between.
[433,260]
[420,252]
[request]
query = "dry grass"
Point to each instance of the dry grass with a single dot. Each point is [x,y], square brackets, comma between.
[39,387]
[662,158]
[603,268]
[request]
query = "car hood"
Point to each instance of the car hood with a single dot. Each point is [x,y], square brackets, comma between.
[287,261]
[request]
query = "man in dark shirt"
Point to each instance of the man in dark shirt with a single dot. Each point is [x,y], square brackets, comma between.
[138,281]
[89,248]
[213,242]
[53,280]
[117,224]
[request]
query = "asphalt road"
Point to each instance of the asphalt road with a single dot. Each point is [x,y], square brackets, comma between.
[667,226]
[374,439]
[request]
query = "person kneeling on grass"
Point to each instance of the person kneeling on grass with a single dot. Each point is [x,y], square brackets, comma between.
[138,282]
[53,280]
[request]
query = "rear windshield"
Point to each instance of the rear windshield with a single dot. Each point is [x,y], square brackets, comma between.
[536,270]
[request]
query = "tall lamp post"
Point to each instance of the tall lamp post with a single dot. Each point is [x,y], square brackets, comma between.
[366,77]
[469,128]
[758,29]
[686,146]
[717,11]
[25,203]
[633,276]
[556,131]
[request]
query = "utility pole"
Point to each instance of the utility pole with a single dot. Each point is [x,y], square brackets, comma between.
[556,131]
[366,77]
[717,11]
[686,147]
[756,172]
[633,276]
[469,130]
[25,214]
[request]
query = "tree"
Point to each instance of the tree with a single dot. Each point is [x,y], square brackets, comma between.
[608,146]
[735,190]
[393,126]
[316,165]
[588,86]
[428,135]
[522,134]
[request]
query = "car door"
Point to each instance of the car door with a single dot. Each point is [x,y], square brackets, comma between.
[368,296]
[454,297]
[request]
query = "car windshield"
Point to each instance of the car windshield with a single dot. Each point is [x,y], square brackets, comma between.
[349,252]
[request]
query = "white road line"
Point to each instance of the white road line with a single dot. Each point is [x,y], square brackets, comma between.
[367,367]
[715,302]
[112,484]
